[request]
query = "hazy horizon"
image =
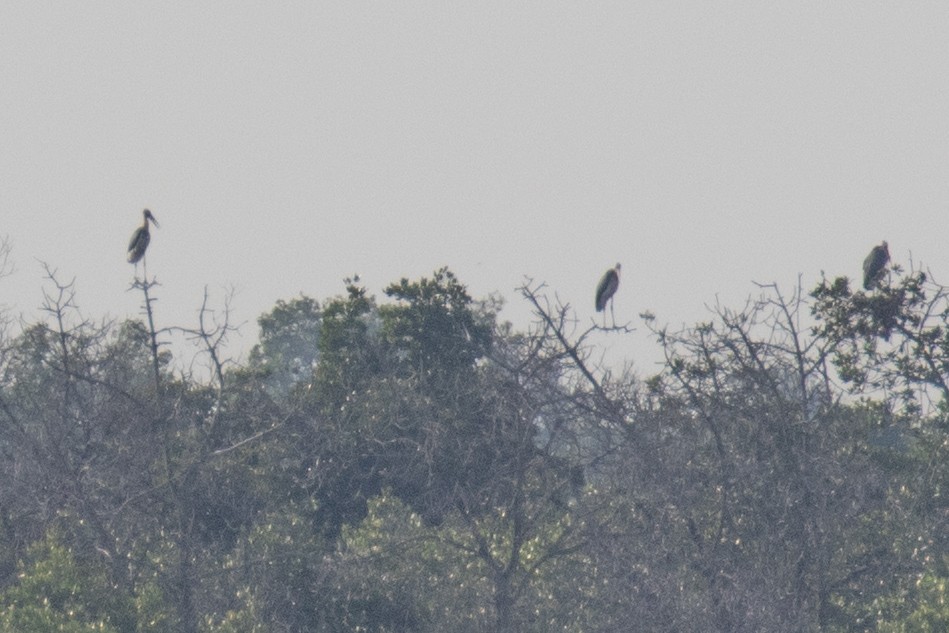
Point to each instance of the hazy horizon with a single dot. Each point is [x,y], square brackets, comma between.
[705,146]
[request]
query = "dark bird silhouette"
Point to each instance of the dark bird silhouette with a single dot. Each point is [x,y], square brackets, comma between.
[140,238]
[606,289]
[874,265]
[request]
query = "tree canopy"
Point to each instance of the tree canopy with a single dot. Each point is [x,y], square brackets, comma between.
[413,463]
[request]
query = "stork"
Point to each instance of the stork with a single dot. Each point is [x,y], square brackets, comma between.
[874,265]
[605,291]
[140,238]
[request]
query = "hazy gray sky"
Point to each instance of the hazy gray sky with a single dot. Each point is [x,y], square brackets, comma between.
[284,146]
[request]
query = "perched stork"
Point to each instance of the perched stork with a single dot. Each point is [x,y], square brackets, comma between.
[140,238]
[606,289]
[874,265]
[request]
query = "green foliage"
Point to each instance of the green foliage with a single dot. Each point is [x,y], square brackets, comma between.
[288,351]
[416,466]
[55,593]
[916,605]
[926,607]
[348,346]
[434,332]
[279,574]
[894,339]
[396,399]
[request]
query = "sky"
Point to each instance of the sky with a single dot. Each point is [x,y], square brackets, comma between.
[285,146]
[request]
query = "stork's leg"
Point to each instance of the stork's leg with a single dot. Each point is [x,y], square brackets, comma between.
[612,316]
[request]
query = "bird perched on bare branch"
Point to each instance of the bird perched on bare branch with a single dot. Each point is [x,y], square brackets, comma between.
[875,265]
[606,289]
[141,238]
